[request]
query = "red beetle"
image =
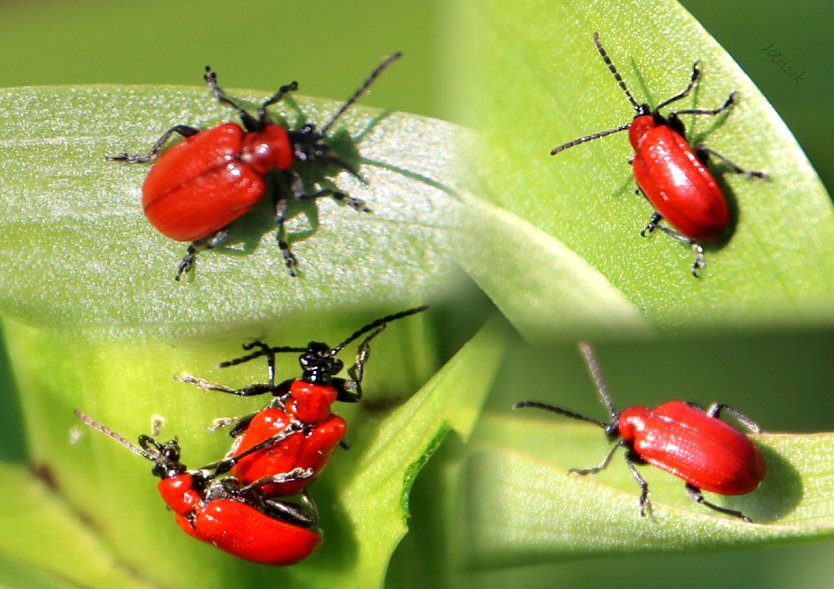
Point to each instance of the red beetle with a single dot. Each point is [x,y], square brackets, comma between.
[671,174]
[678,437]
[235,519]
[197,188]
[297,430]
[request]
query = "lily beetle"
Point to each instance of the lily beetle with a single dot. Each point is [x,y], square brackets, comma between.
[671,174]
[679,437]
[198,187]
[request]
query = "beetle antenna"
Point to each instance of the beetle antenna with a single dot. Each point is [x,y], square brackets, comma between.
[263,351]
[559,410]
[382,322]
[115,436]
[362,89]
[596,374]
[613,69]
[588,138]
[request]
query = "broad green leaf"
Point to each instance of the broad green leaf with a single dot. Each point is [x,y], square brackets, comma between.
[107,493]
[535,80]
[551,289]
[78,251]
[530,510]
[51,546]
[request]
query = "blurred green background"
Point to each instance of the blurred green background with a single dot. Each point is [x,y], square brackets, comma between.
[785,380]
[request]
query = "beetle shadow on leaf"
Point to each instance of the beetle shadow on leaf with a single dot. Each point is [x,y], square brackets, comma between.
[778,495]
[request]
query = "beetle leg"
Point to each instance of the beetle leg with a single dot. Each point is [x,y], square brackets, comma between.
[602,466]
[704,151]
[225,465]
[357,204]
[696,73]
[652,225]
[132,158]
[296,474]
[695,493]
[188,260]
[306,515]
[644,486]
[250,391]
[731,100]
[250,122]
[282,91]
[700,259]
[715,411]
[240,424]
[280,219]
[351,390]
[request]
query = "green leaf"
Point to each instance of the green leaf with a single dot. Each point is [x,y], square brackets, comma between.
[535,80]
[530,510]
[78,251]
[107,495]
[73,555]
[568,297]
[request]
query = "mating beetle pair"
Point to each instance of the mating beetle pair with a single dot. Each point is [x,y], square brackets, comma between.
[219,511]
[239,503]
[678,437]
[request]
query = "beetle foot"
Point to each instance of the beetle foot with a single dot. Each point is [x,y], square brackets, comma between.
[700,260]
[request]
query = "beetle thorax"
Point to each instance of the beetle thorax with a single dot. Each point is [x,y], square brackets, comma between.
[639,128]
[267,149]
[310,403]
[633,421]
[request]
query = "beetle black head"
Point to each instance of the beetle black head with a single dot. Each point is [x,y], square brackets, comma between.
[319,363]
[165,456]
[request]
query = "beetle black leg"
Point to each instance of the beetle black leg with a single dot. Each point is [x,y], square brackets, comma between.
[731,100]
[704,152]
[306,515]
[603,465]
[129,158]
[696,73]
[356,204]
[357,371]
[238,424]
[281,236]
[264,350]
[263,115]
[644,486]
[715,409]
[652,225]
[695,493]
[296,474]
[250,391]
[250,122]
[225,465]
[188,260]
